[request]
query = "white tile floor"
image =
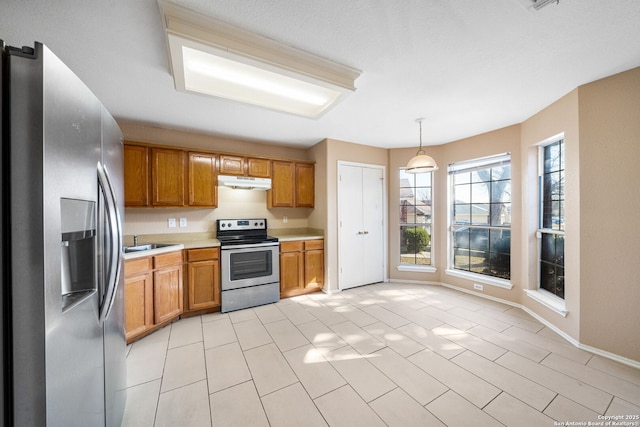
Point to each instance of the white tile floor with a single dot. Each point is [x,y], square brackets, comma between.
[384,354]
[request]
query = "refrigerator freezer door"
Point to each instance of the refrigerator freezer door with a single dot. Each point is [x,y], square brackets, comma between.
[58,365]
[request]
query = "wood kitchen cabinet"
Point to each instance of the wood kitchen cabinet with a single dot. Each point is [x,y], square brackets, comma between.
[203,279]
[167,286]
[203,185]
[301,267]
[167,177]
[304,185]
[136,175]
[259,168]
[232,165]
[153,293]
[292,185]
[138,297]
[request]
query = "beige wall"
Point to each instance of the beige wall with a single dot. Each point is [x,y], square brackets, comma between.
[231,203]
[610,214]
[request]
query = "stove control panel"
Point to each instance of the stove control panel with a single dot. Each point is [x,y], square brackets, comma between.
[241,224]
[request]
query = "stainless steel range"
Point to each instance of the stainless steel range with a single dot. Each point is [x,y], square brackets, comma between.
[250,264]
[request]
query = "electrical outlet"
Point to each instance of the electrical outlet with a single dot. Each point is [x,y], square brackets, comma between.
[478,287]
[183,222]
[171,222]
[285,219]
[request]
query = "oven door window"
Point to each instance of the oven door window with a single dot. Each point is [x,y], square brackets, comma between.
[247,265]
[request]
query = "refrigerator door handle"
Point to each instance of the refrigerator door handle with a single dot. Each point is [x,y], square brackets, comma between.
[113,216]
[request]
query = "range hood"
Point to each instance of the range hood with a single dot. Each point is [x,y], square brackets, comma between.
[244,182]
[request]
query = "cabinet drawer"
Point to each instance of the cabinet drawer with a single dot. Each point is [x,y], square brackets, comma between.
[164,260]
[204,254]
[291,246]
[137,266]
[313,244]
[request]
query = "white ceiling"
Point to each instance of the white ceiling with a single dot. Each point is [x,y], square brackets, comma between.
[468,66]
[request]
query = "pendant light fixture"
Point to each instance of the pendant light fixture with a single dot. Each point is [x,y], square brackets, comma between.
[421,163]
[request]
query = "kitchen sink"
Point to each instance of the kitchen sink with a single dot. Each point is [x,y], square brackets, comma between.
[147,247]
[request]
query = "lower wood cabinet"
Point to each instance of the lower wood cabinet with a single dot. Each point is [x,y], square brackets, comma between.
[203,279]
[301,267]
[152,293]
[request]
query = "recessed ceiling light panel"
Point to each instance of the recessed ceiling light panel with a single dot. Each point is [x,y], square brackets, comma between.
[213,58]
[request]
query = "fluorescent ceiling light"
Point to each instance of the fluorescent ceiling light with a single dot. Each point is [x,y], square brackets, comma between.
[214,58]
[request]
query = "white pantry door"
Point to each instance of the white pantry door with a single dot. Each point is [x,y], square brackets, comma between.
[361,225]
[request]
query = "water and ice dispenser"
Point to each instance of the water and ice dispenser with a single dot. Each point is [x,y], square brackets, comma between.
[78,224]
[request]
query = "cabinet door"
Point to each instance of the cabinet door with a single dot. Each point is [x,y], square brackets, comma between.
[259,168]
[231,165]
[167,177]
[138,301]
[167,293]
[305,193]
[136,175]
[281,194]
[291,272]
[203,190]
[204,284]
[314,263]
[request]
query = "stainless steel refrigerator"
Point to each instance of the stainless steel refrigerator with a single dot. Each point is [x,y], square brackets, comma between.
[63,341]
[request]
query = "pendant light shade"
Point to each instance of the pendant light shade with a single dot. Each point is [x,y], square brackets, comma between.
[421,163]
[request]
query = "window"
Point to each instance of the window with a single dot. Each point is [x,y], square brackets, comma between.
[415,218]
[552,215]
[481,216]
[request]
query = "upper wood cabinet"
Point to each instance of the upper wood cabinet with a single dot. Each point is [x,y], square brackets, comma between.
[305,191]
[167,177]
[281,193]
[292,185]
[203,189]
[259,168]
[136,175]
[242,166]
[232,165]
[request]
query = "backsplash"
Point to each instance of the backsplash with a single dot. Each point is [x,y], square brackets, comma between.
[231,204]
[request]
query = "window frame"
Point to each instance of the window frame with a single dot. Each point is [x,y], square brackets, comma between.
[408,266]
[483,163]
[550,297]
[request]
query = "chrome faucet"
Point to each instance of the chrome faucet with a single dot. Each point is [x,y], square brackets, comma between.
[135,240]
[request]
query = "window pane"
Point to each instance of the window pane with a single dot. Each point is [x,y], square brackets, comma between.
[548,277]
[462,193]
[480,193]
[479,262]
[548,250]
[461,238]
[461,178]
[559,258]
[423,179]
[479,239]
[406,179]
[499,173]
[461,214]
[500,265]
[480,214]
[560,281]
[500,191]
[501,214]
[461,259]
[500,241]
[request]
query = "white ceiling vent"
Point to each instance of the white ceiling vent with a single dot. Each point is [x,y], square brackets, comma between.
[537,4]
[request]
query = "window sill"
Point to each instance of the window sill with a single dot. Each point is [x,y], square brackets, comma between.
[548,300]
[417,268]
[485,280]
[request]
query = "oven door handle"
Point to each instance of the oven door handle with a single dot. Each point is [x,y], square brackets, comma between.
[249,246]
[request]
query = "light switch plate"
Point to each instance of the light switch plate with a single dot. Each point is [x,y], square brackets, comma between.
[172,223]
[183,222]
